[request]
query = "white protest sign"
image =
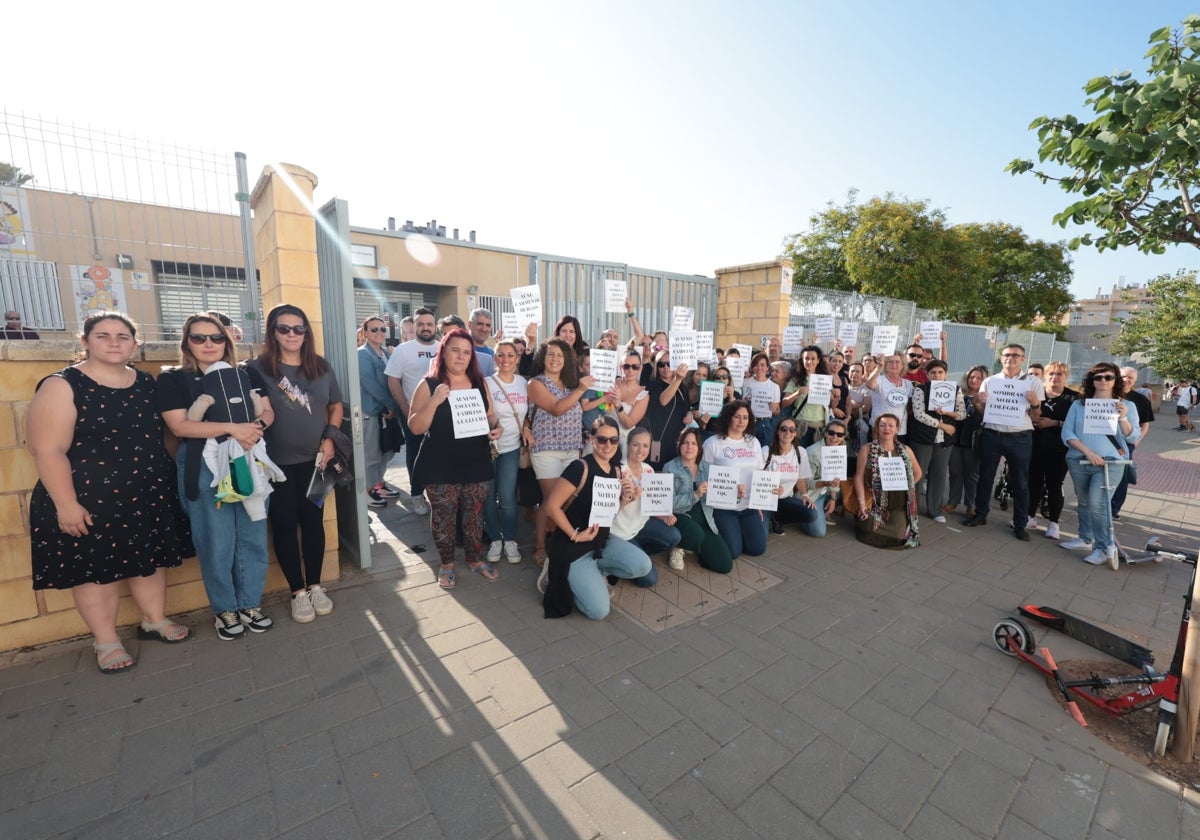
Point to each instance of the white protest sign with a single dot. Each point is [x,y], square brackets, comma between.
[737,366]
[760,399]
[511,325]
[527,301]
[745,351]
[712,397]
[848,333]
[604,368]
[616,292]
[883,340]
[824,328]
[793,340]
[931,335]
[833,463]
[682,318]
[1006,403]
[606,501]
[722,488]
[658,491]
[763,484]
[1100,417]
[706,350]
[469,413]
[892,474]
[682,344]
[785,281]
[820,385]
[941,395]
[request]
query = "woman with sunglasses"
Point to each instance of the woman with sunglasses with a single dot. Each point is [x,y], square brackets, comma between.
[631,398]
[1095,479]
[306,399]
[1048,466]
[581,554]
[886,518]
[378,408]
[652,534]
[931,437]
[743,529]
[722,375]
[697,528]
[792,463]
[231,547]
[668,412]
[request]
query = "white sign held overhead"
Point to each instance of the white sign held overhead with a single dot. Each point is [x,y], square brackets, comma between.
[616,292]
[848,333]
[745,351]
[931,336]
[706,350]
[884,339]
[824,327]
[469,413]
[683,318]
[737,367]
[527,301]
[682,344]
[793,340]
[604,368]
[511,325]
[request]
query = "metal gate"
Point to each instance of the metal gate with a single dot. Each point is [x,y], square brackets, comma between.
[341,351]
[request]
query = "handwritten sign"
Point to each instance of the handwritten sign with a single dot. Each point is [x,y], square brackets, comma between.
[604,368]
[511,325]
[892,474]
[833,463]
[1100,417]
[763,487]
[883,340]
[824,327]
[848,333]
[682,318]
[682,344]
[1006,404]
[616,292]
[527,301]
[658,490]
[941,395]
[606,501]
[712,397]
[820,385]
[722,488]
[785,281]
[744,350]
[793,340]
[931,335]
[760,396]
[469,413]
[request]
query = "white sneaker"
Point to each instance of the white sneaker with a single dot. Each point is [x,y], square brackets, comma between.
[302,608]
[420,506]
[493,554]
[1076,543]
[676,560]
[511,552]
[320,601]
[1052,530]
[1097,558]
[941,520]
[544,577]
[1032,526]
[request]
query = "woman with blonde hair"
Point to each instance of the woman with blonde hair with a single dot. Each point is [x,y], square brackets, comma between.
[1048,466]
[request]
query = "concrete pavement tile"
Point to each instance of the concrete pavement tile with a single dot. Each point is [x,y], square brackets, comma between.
[317,715]
[595,748]
[751,644]
[334,669]
[692,812]
[565,651]
[51,663]
[51,816]
[253,819]
[154,760]
[460,638]
[488,653]
[772,816]
[717,719]
[213,658]
[512,744]
[453,681]
[742,766]
[781,725]
[510,685]
[668,666]
[230,768]
[758,616]
[902,730]
[306,792]
[851,651]
[1141,805]
[700,637]
[845,683]
[16,789]
[1058,802]
[155,711]
[666,757]
[276,661]
[617,806]
[975,793]
[812,622]
[650,712]
[932,824]
[849,818]
[79,753]
[724,672]
[24,733]
[1007,757]
[911,657]
[393,677]
[252,708]
[296,755]
[837,725]
[601,663]
[576,697]
[156,816]
[784,678]
[895,784]
[456,730]
[426,828]
[541,804]
[466,804]
[904,690]
[1015,828]
[384,792]
[355,735]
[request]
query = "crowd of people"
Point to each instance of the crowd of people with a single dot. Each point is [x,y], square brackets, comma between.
[491,425]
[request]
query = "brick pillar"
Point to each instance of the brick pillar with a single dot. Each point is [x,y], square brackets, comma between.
[751,303]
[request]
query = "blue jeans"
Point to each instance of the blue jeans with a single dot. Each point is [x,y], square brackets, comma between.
[811,520]
[1095,501]
[231,547]
[1118,499]
[1016,449]
[657,536]
[744,531]
[500,512]
[586,576]
[764,428]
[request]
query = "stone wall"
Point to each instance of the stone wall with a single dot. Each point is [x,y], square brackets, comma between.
[751,303]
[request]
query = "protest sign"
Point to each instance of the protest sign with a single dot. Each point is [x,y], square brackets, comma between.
[469,413]
[722,488]
[658,492]
[833,463]
[706,350]
[682,318]
[1006,404]
[848,333]
[682,344]
[819,387]
[883,340]
[606,501]
[712,397]
[1100,417]
[931,336]
[616,292]
[764,485]
[604,368]
[892,474]
[527,301]
[824,328]
[793,340]
[941,395]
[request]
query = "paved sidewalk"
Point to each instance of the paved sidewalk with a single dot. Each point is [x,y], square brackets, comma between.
[861,697]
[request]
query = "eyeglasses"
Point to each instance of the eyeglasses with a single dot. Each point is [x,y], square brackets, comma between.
[605,440]
[631,367]
[369,329]
[1103,377]
[200,338]
[787,430]
[285,329]
[664,364]
[832,433]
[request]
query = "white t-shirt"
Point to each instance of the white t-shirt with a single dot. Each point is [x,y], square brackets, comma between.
[889,398]
[410,364]
[760,395]
[629,519]
[745,454]
[518,398]
[792,467]
[1031,383]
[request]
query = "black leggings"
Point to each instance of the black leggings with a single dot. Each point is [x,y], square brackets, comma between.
[290,510]
[1047,471]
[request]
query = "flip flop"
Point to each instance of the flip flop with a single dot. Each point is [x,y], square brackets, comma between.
[164,631]
[446,577]
[487,571]
[112,658]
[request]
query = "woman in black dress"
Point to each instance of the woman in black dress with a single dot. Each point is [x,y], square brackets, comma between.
[668,411]
[103,509]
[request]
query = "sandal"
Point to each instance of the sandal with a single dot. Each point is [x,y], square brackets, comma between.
[112,658]
[446,577]
[164,631]
[486,570]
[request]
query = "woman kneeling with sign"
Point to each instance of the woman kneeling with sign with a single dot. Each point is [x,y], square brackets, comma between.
[885,489]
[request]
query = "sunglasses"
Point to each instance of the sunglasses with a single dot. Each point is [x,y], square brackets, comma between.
[200,338]
[631,367]
[1103,377]
[284,329]
[664,364]
[916,355]
[831,433]
[787,430]
[607,441]
[369,329]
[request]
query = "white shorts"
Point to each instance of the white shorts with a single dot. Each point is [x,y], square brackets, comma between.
[550,465]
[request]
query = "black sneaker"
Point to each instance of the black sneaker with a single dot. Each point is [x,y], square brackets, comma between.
[228,626]
[1021,534]
[776,526]
[375,499]
[255,620]
[388,491]
[975,521]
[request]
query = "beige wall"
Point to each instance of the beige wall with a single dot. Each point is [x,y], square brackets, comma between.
[751,303]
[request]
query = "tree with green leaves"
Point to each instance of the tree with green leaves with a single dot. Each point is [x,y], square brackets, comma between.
[817,255]
[1135,165]
[1168,333]
[13,176]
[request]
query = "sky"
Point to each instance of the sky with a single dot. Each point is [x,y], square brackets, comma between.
[668,135]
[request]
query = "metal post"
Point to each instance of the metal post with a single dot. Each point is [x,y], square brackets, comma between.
[252,296]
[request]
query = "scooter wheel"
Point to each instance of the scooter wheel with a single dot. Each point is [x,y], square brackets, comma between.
[1160,739]
[1015,629]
